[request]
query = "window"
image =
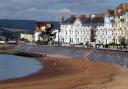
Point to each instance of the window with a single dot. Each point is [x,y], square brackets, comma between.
[78,40]
[70,32]
[62,39]
[84,32]
[78,32]
[77,25]
[70,40]
[66,32]
[122,32]
[116,40]
[84,39]
[81,39]
[112,33]
[116,24]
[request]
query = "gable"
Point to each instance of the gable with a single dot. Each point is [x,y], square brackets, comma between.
[77,23]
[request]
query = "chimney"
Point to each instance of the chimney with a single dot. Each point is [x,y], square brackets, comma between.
[82,17]
[72,15]
[93,16]
[62,19]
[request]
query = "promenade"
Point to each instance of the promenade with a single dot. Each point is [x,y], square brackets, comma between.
[113,56]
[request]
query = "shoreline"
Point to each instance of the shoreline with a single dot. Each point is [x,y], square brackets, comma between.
[66,72]
[44,72]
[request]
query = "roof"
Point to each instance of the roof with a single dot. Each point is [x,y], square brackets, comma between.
[92,19]
[44,23]
[88,20]
[38,30]
[70,20]
[83,18]
[39,25]
[56,25]
[97,20]
[121,9]
[110,12]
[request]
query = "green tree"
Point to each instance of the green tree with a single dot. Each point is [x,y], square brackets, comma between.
[122,41]
[47,36]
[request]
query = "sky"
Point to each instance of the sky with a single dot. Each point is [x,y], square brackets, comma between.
[53,10]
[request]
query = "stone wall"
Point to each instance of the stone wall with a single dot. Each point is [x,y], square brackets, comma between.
[107,56]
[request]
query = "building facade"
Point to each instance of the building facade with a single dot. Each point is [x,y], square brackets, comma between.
[29,37]
[108,30]
[120,22]
[74,31]
[82,30]
[126,25]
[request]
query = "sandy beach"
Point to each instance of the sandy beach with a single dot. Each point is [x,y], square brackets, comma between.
[70,73]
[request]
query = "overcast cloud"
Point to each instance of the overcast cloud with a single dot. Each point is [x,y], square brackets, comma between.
[53,9]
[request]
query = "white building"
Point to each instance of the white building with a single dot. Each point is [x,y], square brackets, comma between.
[108,32]
[120,22]
[126,25]
[100,32]
[29,37]
[96,26]
[74,31]
[56,31]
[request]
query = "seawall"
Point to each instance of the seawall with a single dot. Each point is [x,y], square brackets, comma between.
[107,56]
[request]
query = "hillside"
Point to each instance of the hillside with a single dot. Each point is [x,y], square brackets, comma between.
[19,24]
[23,24]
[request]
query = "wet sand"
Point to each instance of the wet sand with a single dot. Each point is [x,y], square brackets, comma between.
[69,73]
[120,80]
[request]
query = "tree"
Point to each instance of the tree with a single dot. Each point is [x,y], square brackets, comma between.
[93,35]
[122,41]
[47,36]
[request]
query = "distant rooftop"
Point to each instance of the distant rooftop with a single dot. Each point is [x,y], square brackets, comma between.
[96,18]
[121,9]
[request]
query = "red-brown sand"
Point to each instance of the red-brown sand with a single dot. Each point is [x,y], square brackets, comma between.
[68,73]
